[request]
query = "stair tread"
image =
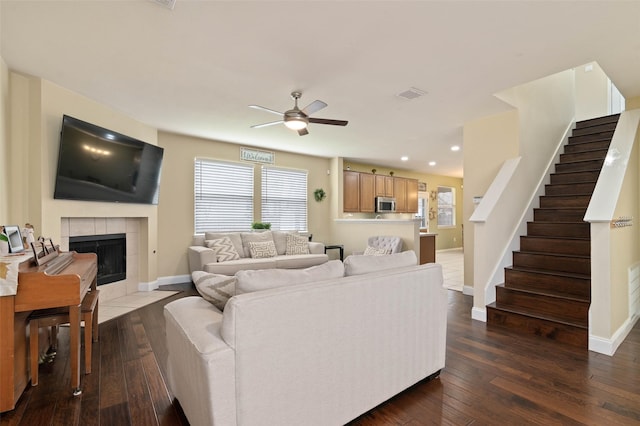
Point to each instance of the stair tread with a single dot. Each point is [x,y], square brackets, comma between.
[555,237]
[536,315]
[549,272]
[544,253]
[554,294]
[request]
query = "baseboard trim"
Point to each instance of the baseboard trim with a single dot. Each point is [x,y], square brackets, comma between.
[479,314]
[467,290]
[610,346]
[174,279]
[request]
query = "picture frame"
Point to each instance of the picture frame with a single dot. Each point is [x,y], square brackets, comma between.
[422,187]
[15,238]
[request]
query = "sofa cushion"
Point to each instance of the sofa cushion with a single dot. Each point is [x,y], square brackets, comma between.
[235,238]
[297,245]
[214,288]
[299,261]
[262,249]
[374,251]
[280,240]
[250,281]
[224,249]
[360,264]
[257,237]
[233,266]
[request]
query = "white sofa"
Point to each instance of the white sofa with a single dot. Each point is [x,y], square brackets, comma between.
[203,258]
[319,353]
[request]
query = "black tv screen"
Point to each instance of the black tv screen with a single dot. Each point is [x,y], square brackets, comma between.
[97,164]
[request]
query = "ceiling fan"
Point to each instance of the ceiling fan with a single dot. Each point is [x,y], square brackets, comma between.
[298,119]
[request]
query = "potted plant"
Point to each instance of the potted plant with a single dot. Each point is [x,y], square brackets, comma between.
[4,242]
[261,225]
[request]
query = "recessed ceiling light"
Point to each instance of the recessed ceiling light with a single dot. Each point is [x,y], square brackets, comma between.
[455,148]
[432,163]
[404,158]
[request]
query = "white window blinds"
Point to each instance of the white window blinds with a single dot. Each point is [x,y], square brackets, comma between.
[284,198]
[223,196]
[446,207]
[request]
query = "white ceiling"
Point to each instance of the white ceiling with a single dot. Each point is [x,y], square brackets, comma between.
[196,68]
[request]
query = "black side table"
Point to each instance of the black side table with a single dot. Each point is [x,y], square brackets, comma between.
[335,246]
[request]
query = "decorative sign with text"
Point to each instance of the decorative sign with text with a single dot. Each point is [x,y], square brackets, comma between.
[257,156]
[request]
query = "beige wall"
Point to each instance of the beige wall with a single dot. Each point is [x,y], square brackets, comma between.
[176,214]
[37,107]
[447,237]
[4,142]
[488,143]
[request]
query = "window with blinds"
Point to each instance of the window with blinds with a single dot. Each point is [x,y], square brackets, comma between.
[446,207]
[284,198]
[223,196]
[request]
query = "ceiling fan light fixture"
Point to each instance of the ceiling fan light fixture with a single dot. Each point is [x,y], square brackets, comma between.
[295,123]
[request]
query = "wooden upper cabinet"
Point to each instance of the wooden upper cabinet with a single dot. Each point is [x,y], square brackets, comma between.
[351,191]
[384,186]
[400,193]
[367,193]
[412,196]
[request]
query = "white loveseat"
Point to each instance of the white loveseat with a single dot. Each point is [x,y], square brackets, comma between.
[203,258]
[319,353]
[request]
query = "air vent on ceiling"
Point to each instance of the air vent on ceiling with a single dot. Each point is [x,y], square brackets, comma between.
[169,4]
[412,93]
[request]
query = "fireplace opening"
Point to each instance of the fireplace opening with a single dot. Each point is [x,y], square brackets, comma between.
[112,254]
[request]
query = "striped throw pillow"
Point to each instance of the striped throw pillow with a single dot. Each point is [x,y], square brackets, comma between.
[224,249]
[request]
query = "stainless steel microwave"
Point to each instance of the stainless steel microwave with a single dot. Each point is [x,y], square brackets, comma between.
[385,205]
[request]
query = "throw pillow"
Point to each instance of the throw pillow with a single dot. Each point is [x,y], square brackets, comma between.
[264,279]
[297,245]
[262,249]
[280,239]
[358,265]
[248,237]
[374,251]
[215,289]
[235,238]
[223,249]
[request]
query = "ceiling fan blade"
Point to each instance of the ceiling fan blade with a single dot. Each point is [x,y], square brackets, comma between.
[257,126]
[303,132]
[314,107]
[327,121]
[266,109]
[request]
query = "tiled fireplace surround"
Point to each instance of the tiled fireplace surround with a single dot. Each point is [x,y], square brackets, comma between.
[74,227]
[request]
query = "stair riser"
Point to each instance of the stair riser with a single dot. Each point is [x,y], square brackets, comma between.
[546,229]
[570,188]
[558,215]
[586,146]
[575,265]
[559,332]
[582,156]
[581,201]
[576,177]
[579,166]
[590,137]
[579,287]
[599,128]
[597,121]
[567,310]
[555,245]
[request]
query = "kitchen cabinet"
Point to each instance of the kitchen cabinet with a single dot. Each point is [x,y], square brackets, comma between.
[351,191]
[367,193]
[427,248]
[400,193]
[412,196]
[384,186]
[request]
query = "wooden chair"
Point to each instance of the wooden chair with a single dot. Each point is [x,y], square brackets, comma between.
[53,318]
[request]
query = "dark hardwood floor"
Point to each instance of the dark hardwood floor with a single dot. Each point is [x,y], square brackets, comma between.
[492,376]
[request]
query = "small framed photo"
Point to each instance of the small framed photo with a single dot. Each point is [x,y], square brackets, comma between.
[422,186]
[15,238]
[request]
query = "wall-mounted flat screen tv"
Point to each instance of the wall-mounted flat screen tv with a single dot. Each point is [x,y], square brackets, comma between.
[97,164]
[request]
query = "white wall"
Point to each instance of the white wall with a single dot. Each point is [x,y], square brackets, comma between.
[545,110]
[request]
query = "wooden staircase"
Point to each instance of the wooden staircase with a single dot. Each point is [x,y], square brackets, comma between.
[547,290]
